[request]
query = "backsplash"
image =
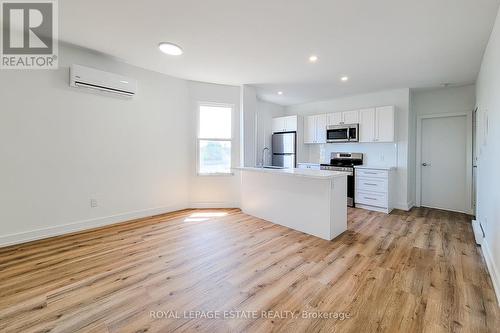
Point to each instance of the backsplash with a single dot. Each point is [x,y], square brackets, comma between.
[379,154]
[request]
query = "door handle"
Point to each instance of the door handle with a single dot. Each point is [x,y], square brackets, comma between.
[426,164]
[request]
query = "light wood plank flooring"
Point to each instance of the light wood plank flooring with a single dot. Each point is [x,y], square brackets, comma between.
[415,271]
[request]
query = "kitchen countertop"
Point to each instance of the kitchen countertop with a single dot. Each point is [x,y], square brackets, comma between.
[375,167]
[308,173]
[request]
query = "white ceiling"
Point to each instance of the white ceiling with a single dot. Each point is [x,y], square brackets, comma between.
[379,44]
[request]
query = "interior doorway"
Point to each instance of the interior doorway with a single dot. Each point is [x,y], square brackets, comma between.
[444,162]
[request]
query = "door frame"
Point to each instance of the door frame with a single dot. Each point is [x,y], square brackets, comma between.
[468,170]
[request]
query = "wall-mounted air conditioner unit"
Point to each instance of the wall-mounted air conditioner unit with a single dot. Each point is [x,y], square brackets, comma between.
[86,77]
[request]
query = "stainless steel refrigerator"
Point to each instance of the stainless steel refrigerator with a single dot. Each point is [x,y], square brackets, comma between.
[284,149]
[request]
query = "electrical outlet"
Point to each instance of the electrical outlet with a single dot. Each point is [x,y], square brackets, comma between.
[93,203]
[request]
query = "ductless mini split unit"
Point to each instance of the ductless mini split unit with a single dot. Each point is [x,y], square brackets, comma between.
[91,78]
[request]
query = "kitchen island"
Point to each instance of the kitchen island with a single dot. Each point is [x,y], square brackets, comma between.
[311,201]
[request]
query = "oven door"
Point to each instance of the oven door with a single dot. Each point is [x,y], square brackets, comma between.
[337,134]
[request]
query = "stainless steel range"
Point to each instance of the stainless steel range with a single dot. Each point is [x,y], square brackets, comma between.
[345,162]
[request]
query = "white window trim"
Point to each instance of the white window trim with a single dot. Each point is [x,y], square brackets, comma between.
[231,139]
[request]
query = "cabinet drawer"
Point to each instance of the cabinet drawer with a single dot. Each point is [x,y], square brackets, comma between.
[371,198]
[371,173]
[371,184]
[311,166]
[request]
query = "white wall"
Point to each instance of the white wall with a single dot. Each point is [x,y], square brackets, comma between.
[61,146]
[393,154]
[412,148]
[265,113]
[214,191]
[248,127]
[444,100]
[488,176]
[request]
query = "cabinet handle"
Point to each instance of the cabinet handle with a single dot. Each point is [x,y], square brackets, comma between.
[370,198]
[370,184]
[370,173]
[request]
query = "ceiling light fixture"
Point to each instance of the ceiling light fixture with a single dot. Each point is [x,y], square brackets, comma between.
[313,58]
[170,49]
[344,78]
[280,93]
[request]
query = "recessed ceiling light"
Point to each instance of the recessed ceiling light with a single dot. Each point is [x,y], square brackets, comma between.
[344,78]
[170,49]
[280,93]
[313,58]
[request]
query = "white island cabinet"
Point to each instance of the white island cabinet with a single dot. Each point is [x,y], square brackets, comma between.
[311,201]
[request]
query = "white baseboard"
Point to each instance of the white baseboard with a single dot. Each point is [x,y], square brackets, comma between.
[27,236]
[492,269]
[373,208]
[468,212]
[405,207]
[219,204]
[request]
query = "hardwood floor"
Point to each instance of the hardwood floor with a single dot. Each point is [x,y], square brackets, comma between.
[415,271]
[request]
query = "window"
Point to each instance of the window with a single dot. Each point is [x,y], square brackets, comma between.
[214,139]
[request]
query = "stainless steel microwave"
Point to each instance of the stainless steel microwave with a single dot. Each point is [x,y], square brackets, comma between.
[342,133]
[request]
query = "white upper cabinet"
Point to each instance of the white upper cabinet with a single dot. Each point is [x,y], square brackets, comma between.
[291,123]
[278,124]
[315,129]
[310,129]
[285,124]
[367,125]
[346,117]
[384,124]
[321,128]
[350,117]
[334,118]
[376,124]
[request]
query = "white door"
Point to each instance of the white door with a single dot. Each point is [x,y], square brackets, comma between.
[367,125]
[350,117]
[444,163]
[384,125]
[475,140]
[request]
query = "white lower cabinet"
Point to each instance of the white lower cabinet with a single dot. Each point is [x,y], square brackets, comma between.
[374,199]
[373,189]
